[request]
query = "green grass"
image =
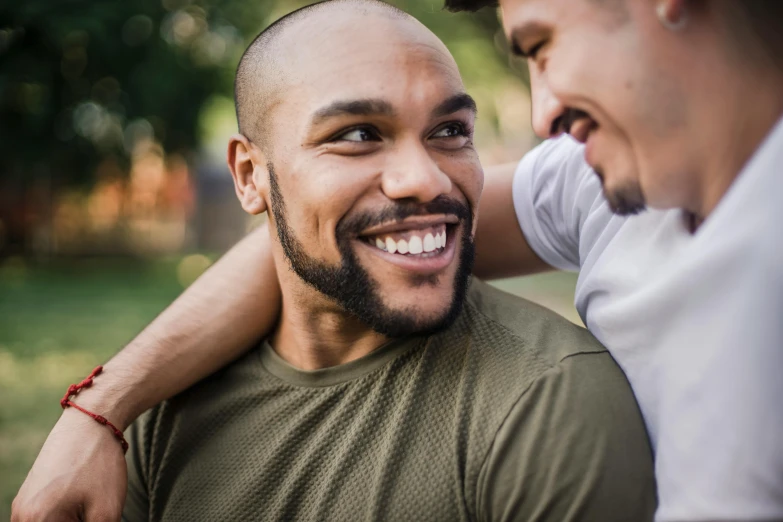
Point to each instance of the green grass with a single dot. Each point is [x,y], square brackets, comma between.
[61,319]
[56,323]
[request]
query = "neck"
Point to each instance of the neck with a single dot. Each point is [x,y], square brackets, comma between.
[742,137]
[315,333]
[739,107]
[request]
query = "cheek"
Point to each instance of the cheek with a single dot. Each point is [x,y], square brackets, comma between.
[596,71]
[466,174]
[322,192]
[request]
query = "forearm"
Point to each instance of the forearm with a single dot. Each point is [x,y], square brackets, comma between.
[501,247]
[235,303]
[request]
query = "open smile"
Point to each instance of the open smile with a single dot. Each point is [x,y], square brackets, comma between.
[424,246]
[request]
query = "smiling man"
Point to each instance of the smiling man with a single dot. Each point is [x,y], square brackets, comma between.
[675,105]
[388,390]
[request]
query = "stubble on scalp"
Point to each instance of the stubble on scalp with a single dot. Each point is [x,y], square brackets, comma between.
[263,74]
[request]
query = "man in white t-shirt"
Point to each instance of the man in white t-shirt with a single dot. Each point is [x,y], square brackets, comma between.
[694,320]
[677,104]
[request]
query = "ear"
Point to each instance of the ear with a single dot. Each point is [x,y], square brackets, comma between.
[248,168]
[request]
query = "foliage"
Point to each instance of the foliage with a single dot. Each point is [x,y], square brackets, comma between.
[81,80]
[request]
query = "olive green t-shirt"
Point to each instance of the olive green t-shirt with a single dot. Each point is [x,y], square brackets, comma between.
[512,413]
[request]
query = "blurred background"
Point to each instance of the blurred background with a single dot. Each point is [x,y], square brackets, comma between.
[114,195]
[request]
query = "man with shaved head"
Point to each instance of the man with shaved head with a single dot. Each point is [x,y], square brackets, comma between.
[391,389]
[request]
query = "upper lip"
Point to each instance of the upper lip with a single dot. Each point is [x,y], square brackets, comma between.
[411,223]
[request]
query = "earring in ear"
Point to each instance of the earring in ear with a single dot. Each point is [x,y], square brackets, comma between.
[665,16]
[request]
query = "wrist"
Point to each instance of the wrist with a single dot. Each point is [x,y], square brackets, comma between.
[109,397]
[106,405]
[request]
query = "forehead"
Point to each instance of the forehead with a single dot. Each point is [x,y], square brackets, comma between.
[522,17]
[396,60]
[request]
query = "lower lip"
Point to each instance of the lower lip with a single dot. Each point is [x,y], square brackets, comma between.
[419,265]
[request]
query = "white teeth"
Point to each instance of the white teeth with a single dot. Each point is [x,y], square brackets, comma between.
[415,246]
[429,243]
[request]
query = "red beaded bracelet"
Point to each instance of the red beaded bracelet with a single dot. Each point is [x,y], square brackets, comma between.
[74,389]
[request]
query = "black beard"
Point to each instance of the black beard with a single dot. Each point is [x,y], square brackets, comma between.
[626,200]
[350,285]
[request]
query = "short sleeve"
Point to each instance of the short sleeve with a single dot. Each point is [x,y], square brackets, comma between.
[573,448]
[559,203]
[137,500]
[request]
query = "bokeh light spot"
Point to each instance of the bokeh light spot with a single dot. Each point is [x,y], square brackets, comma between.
[191,267]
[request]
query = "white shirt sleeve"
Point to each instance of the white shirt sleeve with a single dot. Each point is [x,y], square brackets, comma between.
[559,203]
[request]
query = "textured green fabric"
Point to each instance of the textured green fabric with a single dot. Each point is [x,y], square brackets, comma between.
[511,414]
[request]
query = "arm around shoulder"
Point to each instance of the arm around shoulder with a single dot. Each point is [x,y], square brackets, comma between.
[235,303]
[501,247]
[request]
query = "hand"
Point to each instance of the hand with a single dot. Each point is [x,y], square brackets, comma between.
[80,474]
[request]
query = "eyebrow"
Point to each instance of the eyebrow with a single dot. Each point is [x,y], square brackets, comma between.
[371,107]
[366,107]
[453,104]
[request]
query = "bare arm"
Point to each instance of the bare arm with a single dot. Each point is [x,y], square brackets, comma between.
[501,248]
[233,304]
[80,473]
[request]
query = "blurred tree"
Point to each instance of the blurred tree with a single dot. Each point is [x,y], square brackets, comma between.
[83,80]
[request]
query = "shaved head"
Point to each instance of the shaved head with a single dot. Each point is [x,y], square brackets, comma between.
[353,117]
[263,71]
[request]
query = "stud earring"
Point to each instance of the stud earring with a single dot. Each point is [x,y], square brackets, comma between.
[665,17]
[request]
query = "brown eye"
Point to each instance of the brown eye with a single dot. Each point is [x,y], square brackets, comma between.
[358,135]
[450,131]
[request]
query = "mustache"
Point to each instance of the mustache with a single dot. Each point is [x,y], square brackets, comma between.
[354,225]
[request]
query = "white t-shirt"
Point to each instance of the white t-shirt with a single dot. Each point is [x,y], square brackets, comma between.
[694,320]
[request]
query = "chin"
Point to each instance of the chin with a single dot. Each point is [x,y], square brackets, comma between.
[418,322]
[422,314]
[422,310]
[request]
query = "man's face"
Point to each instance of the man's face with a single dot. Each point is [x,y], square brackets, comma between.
[605,72]
[374,180]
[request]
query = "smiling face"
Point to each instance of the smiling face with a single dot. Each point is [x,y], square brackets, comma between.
[610,74]
[370,171]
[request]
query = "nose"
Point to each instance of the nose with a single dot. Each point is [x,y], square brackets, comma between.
[414,175]
[547,109]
